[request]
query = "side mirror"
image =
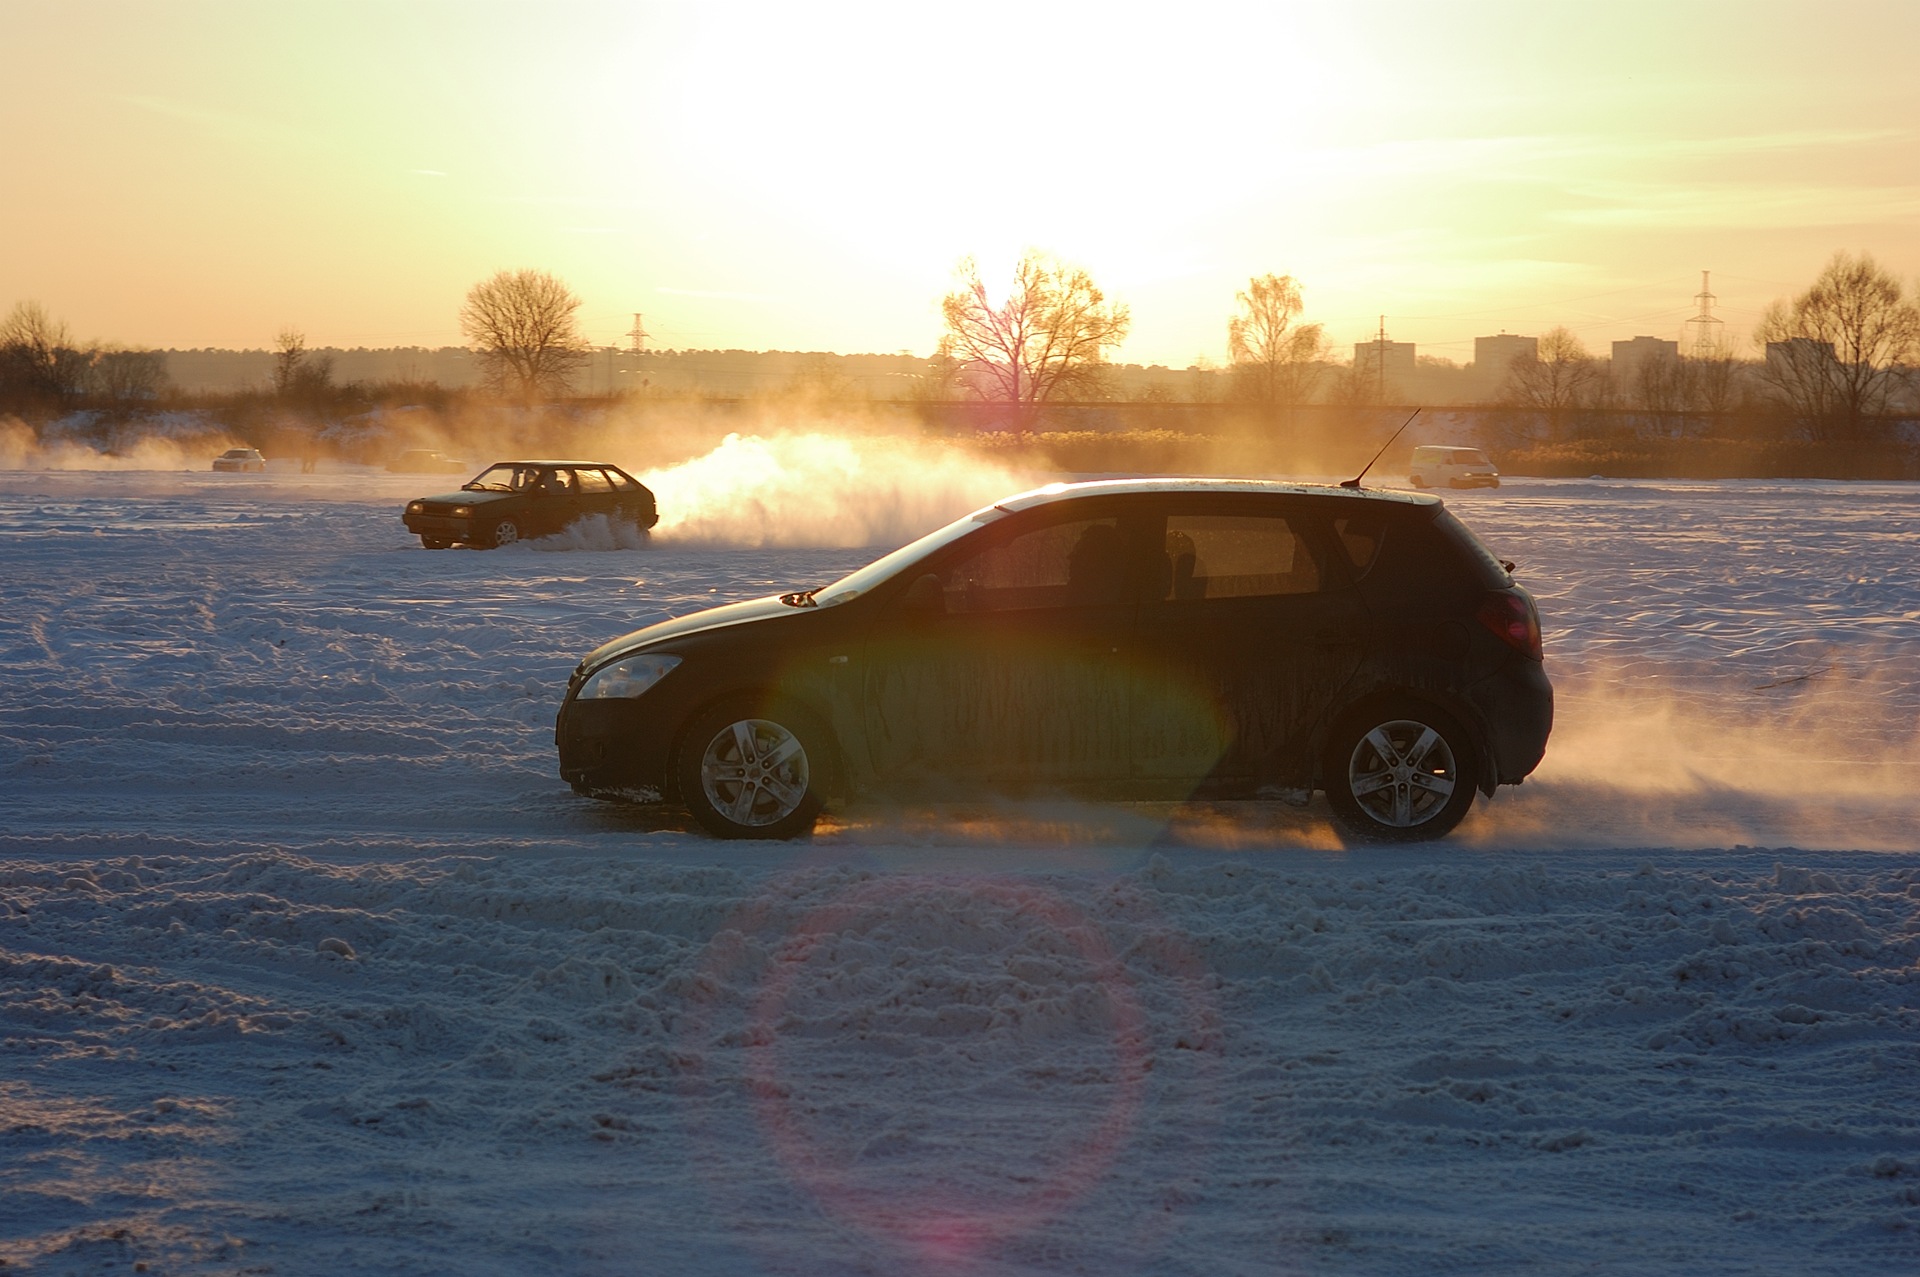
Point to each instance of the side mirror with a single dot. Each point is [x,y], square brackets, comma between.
[925,597]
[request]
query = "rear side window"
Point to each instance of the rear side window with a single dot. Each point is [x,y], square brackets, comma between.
[1360,537]
[1228,556]
[594,481]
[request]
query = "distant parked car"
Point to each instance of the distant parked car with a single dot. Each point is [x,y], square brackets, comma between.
[1130,639]
[241,460]
[514,500]
[1438,467]
[425,461]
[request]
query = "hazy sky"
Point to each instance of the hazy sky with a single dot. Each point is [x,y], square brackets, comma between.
[805,176]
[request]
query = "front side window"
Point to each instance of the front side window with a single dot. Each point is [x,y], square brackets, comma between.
[1226,556]
[1083,563]
[502,478]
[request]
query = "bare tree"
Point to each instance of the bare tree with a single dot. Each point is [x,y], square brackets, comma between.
[522,324]
[939,380]
[1659,385]
[1561,376]
[40,367]
[1832,353]
[1275,360]
[1047,340]
[1712,382]
[300,375]
[125,378]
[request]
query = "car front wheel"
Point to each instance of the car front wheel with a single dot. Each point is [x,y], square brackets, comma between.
[505,532]
[752,772]
[1404,773]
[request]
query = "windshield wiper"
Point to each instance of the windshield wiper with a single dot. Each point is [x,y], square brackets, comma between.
[801,598]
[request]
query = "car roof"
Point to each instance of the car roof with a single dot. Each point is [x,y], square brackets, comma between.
[553,461]
[1118,487]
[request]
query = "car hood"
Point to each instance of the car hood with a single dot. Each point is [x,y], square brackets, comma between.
[464,497]
[712,618]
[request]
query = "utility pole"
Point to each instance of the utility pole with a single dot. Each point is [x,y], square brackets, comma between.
[637,334]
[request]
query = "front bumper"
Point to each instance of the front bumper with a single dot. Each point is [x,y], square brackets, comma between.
[442,527]
[612,746]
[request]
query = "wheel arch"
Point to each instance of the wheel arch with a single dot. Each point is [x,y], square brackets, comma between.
[1390,696]
[758,700]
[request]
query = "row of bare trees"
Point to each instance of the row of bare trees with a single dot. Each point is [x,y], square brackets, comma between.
[1836,355]
[1838,359]
[44,371]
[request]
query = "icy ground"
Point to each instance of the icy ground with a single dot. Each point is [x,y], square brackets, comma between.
[310,964]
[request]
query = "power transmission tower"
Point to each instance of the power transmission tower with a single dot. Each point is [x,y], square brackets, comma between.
[1380,361]
[1704,329]
[637,335]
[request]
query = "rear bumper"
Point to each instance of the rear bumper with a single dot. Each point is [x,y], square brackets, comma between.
[1516,705]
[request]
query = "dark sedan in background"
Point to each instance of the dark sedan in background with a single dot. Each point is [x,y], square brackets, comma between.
[1137,639]
[517,499]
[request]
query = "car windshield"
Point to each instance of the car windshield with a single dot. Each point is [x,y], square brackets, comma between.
[501,479]
[885,568]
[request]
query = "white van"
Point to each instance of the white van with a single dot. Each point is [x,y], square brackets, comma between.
[1437,467]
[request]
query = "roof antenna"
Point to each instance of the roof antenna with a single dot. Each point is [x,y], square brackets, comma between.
[1355,481]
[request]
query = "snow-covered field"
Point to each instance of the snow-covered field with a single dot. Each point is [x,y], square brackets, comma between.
[310,964]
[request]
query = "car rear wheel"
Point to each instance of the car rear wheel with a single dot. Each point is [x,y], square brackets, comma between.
[505,532]
[753,772]
[1402,773]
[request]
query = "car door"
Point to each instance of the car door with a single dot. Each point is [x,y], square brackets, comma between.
[1005,664]
[557,499]
[1244,646]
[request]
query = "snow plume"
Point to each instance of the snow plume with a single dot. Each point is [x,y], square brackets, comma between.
[170,442]
[1821,759]
[827,490]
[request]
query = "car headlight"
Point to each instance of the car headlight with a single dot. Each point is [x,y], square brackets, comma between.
[416,507]
[627,678]
[461,511]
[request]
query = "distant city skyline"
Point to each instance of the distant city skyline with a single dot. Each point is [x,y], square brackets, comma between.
[205,173]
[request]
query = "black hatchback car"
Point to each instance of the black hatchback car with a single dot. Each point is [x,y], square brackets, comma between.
[1137,639]
[515,499]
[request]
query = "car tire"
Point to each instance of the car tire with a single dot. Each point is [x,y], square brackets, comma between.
[751,770]
[505,532]
[1402,771]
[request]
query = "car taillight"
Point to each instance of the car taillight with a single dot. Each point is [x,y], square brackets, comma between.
[1512,618]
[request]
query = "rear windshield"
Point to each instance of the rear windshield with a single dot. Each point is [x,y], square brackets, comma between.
[1493,573]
